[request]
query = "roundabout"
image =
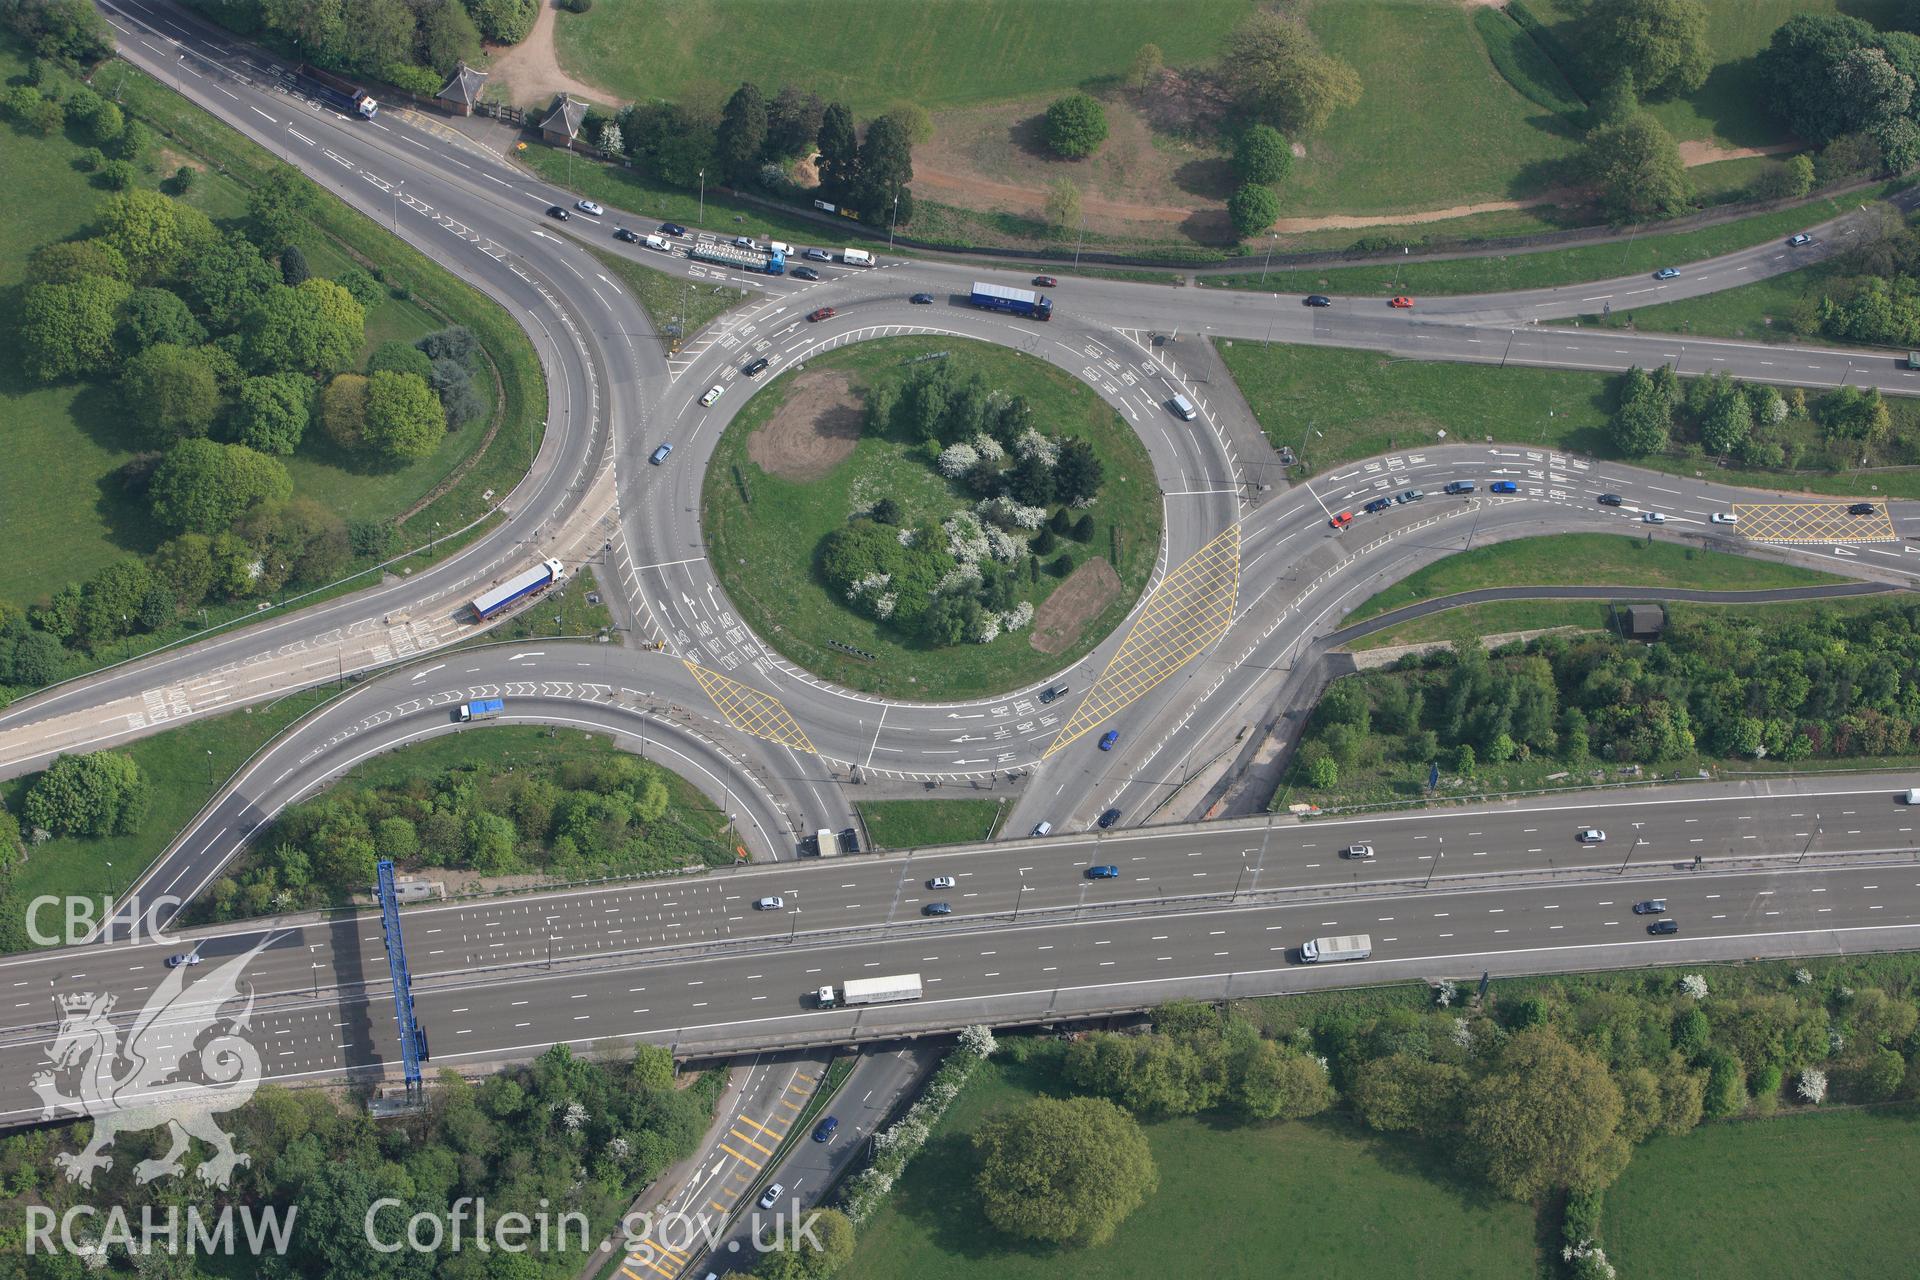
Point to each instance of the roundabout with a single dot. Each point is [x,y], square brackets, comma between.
[825,458]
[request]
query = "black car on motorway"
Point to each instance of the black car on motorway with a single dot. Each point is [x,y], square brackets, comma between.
[1659,927]
[804,273]
[1316,300]
[1610,499]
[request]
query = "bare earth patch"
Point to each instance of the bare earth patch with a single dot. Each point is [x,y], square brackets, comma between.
[530,71]
[1060,619]
[813,431]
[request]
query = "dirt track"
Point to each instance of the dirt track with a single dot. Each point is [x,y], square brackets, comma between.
[531,70]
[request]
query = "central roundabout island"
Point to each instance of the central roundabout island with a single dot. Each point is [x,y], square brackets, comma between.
[931,519]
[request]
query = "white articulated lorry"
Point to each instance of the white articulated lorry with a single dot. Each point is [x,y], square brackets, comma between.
[905,986]
[1353,946]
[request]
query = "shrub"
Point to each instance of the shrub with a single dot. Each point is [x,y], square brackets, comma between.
[1076,126]
[1262,155]
[1252,209]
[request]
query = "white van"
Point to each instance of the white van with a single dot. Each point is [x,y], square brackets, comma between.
[1183,408]
[1913,796]
[856,257]
[1044,829]
[660,243]
[781,247]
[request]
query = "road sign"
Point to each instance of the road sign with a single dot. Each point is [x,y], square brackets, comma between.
[1433,776]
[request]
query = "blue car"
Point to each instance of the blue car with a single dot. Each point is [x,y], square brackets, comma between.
[823,1132]
[1378,505]
[1108,872]
[1112,736]
[1504,486]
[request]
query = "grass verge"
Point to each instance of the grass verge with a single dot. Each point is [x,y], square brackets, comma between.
[565,612]
[764,531]
[667,302]
[1469,623]
[915,824]
[1355,1203]
[1587,559]
[1545,268]
[185,767]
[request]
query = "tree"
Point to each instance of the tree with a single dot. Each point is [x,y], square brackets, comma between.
[154,233]
[1401,1092]
[92,795]
[272,412]
[314,328]
[793,122]
[68,261]
[1640,427]
[185,565]
[66,330]
[886,167]
[612,140]
[1545,1116]
[400,357]
[1798,69]
[202,486]
[65,30]
[742,135]
[170,392]
[1148,62]
[839,163]
[820,1247]
[1262,155]
[1063,1171]
[277,207]
[293,265]
[1063,204]
[1636,170]
[404,419]
[1323,773]
[504,21]
[224,276]
[1076,126]
[158,315]
[1078,475]
[1281,77]
[1726,1093]
[1727,424]
[915,120]
[1274,1085]
[1252,210]
[343,410]
[448,37]
[1661,43]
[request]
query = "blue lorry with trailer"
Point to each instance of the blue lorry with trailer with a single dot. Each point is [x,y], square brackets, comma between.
[1018,302]
[480,709]
[522,586]
[768,262]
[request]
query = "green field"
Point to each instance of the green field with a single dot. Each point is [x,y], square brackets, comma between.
[1471,137]
[1333,406]
[1586,559]
[1236,1202]
[1805,1195]
[184,765]
[873,53]
[690,304]
[914,824]
[1729,107]
[68,441]
[764,532]
[1546,268]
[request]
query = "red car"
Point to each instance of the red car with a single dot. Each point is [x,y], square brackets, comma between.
[824,313]
[1341,521]
[1045,282]
[1402,303]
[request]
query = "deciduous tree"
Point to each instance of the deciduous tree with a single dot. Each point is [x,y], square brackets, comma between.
[1063,1171]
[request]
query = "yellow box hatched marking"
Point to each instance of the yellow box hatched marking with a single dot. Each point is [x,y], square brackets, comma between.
[736,1155]
[1190,610]
[1813,522]
[750,710]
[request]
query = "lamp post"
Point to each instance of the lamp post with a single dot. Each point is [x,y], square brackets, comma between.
[1272,236]
[703,195]
[1082,239]
[396,205]
[209,766]
[1020,898]
[893,219]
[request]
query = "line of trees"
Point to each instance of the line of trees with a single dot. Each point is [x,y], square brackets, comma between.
[415,44]
[1816,687]
[751,140]
[607,814]
[1749,423]
[564,1134]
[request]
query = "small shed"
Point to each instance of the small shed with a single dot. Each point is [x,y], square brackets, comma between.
[1642,621]
[462,90]
[562,124]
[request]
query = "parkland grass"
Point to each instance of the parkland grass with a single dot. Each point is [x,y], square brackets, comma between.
[764,531]
[1587,559]
[1801,1195]
[915,824]
[1236,1201]
[873,53]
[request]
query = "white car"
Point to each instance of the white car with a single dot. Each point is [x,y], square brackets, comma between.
[713,393]
[1592,835]
[1654,517]
[189,958]
[771,1196]
[943,882]
[1358,851]
[1801,238]
[1725,517]
[773,902]
[588,206]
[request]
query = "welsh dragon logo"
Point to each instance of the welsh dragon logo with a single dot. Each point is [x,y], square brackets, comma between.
[144,1082]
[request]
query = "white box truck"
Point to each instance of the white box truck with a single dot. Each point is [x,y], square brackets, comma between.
[1913,795]
[825,844]
[1352,946]
[856,257]
[853,991]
